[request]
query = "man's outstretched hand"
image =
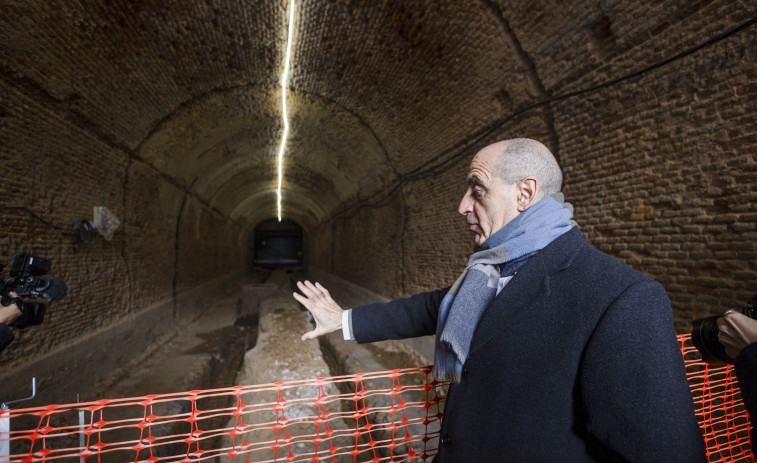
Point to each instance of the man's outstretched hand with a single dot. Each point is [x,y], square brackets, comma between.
[326,312]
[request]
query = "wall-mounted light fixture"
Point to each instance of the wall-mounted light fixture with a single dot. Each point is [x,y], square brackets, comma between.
[84,232]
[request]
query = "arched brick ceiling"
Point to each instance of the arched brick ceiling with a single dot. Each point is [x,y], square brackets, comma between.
[377,89]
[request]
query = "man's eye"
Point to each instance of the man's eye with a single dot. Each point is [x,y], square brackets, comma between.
[477,193]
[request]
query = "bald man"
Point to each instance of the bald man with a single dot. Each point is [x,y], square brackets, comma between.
[554,350]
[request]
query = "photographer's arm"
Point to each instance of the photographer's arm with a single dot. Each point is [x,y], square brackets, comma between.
[738,334]
[8,314]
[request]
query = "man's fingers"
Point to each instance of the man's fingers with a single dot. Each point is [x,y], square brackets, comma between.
[318,301]
[322,289]
[312,288]
[312,291]
[306,287]
[301,299]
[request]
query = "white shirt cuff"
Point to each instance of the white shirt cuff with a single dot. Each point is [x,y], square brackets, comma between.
[347,326]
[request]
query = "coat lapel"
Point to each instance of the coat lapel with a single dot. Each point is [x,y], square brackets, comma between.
[530,284]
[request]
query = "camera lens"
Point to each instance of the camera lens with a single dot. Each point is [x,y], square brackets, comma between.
[704,335]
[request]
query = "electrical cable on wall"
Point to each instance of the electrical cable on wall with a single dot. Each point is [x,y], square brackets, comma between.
[284,78]
[430,169]
[31,213]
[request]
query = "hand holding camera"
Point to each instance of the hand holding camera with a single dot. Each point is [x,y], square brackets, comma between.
[736,332]
[9,313]
[721,339]
[27,281]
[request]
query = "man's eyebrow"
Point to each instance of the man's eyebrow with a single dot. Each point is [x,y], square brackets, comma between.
[474,180]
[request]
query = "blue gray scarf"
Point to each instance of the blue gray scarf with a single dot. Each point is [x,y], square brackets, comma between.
[465,302]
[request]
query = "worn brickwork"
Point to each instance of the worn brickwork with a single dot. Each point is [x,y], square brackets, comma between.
[661,167]
[169,113]
[56,172]
[360,251]
[668,184]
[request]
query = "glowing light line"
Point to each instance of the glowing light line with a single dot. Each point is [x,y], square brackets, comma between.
[284,104]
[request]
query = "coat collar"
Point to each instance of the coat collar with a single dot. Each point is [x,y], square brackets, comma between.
[559,254]
[532,281]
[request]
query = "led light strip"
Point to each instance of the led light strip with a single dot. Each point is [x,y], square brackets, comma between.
[284,104]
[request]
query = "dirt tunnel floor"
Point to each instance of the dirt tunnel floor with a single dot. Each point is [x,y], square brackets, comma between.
[207,352]
[234,342]
[203,353]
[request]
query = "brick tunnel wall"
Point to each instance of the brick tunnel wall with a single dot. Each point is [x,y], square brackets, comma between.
[661,168]
[168,242]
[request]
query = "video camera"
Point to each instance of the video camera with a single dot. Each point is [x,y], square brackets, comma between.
[27,281]
[704,335]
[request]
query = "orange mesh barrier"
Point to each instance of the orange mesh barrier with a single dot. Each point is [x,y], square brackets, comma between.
[373,417]
[719,408]
[376,417]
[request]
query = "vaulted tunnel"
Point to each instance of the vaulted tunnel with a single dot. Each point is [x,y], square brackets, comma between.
[170,115]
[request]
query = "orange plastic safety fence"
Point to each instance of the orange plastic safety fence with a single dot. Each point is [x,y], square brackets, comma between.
[376,417]
[387,416]
[719,408]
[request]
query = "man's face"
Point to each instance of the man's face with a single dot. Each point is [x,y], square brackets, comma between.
[489,203]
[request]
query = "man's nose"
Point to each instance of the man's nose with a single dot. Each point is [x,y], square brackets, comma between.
[466,205]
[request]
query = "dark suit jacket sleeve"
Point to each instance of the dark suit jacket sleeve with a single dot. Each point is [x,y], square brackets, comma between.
[398,319]
[633,382]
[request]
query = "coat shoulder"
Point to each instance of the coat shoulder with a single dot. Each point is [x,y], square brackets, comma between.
[574,253]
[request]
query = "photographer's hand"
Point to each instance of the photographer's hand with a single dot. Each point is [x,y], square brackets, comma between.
[326,312]
[9,313]
[735,332]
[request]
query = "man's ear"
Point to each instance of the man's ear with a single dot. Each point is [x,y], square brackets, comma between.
[527,191]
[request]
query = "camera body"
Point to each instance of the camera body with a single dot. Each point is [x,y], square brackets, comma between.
[27,279]
[704,335]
